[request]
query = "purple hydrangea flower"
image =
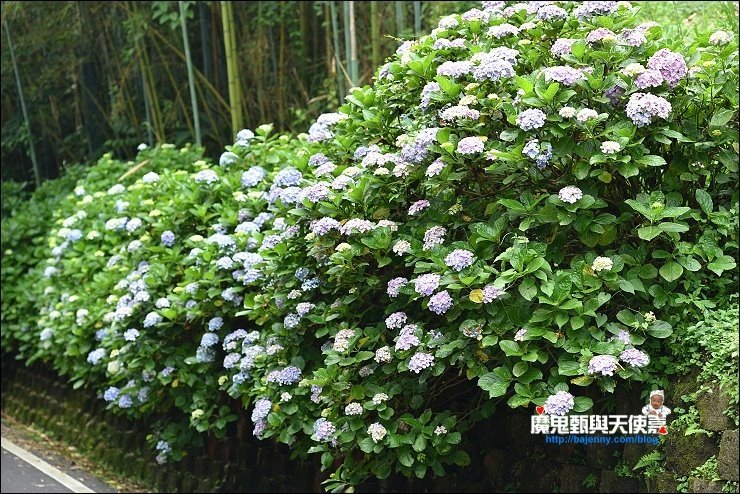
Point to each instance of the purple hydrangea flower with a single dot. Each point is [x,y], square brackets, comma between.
[426,284]
[551,12]
[319,159]
[232,360]
[455,69]
[671,65]
[426,94]
[634,357]
[152,319]
[111,393]
[125,401]
[562,47]
[323,226]
[599,34]
[440,302]
[209,340]
[418,206]
[605,365]
[614,95]
[417,151]
[262,408]
[470,145]
[649,78]
[503,30]
[131,334]
[395,285]
[316,192]
[253,176]
[459,259]
[586,10]
[435,168]
[324,430]
[434,236]
[519,336]
[563,74]
[492,68]
[406,341]
[643,107]
[560,403]
[207,176]
[491,293]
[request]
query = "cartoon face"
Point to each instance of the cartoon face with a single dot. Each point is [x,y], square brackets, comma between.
[656,401]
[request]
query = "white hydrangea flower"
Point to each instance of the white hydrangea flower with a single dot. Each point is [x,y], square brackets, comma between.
[602,263]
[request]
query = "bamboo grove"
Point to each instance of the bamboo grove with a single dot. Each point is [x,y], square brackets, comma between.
[83,78]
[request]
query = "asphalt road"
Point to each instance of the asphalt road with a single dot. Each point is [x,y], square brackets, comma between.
[19,476]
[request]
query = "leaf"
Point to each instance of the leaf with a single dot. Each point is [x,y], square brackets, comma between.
[520,368]
[671,271]
[404,456]
[476,296]
[626,286]
[721,264]
[651,160]
[367,445]
[420,444]
[668,226]
[648,232]
[721,117]
[704,200]
[582,403]
[568,368]
[628,170]
[690,263]
[660,329]
[510,348]
[495,385]
[582,380]
[527,289]
[461,458]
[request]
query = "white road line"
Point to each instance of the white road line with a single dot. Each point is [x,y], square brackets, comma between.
[69,482]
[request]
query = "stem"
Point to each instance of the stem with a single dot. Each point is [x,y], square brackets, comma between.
[191,76]
[36,173]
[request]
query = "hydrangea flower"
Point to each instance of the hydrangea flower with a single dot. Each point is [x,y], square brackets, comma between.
[570,194]
[383,355]
[440,302]
[586,114]
[634,357]
[418,206]
[206,176]
[421,361]
[605,365]
[649,78]
[563,74]
[502,31]
[262,408]
[395,320]
[379,398]
[111,394]
[491,293]
[324,430]
[642,108]
[671,65]
[152,319]
[562,47]
[519,336]
[377,432]
[455,69]
[459,259]
[560,403]
[168,238]
[530,119]
[610,147]
[401,247]
[720,38]
[131,334]
[395,285]
[602,263]
[353,409]
[470,145]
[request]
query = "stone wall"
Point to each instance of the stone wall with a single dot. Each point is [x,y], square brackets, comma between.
[505,456]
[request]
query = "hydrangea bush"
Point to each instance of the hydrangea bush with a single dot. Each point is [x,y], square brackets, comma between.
[521,206]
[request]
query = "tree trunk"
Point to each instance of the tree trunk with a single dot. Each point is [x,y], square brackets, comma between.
[191,76]
[375,34]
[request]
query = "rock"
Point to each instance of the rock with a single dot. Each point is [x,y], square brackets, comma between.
[662,482]
[727,462]
[684,453]
[703,485]
[600,457]
[611,482]
[497,463]
[633,452]
[712,406]
[572,477]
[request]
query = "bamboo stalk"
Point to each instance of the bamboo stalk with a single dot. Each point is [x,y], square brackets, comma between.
[36,173]
[191,76]
[231,67]
[353,63]
[417,17]
[399,18]
[335,35]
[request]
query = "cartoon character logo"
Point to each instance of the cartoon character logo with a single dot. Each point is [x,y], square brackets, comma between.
[657,412]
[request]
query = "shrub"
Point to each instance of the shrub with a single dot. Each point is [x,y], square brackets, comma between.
[523,204]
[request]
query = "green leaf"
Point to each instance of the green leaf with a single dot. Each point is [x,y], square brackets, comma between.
[527,288]
[420,444]
[660,329]
[520,368]
[648,232]
[510,348]
[461,458]
[651,160]
[582,380]
[721,117]
[668,226]
[568,368]
[626,286]
[721,264]
[404,456]
[367,445]
[689,263]
[671,271]
[582,404]
[495,385]
[704,200]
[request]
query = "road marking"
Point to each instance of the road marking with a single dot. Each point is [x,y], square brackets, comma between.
[69,482]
